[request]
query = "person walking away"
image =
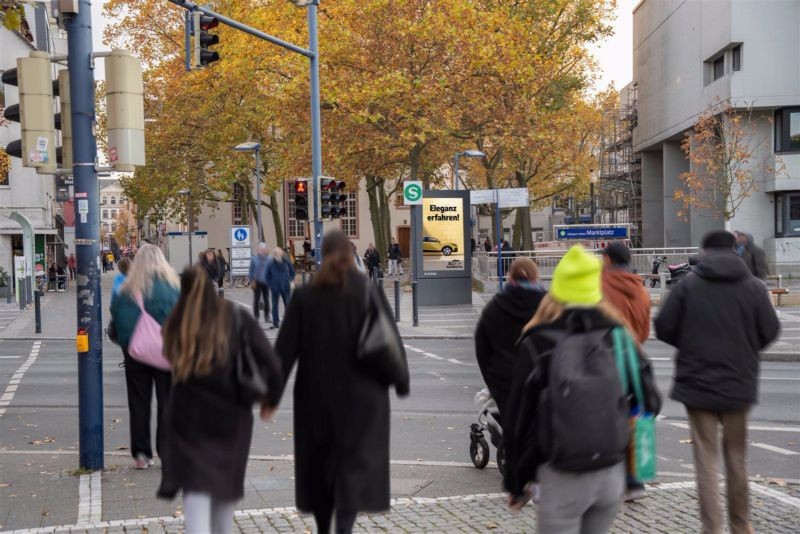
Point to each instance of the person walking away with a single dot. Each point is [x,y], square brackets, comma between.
[508,256]
[719,318]
[754,256]
[152,280]
[223,268]
[72,265]
[472,246]
[110,259]
[500,326]
[280,275]
[307,253]
[487,245]
[258,279]
[208,261]
[341,413]
[123,267]
[578,455]
[395,259]
[373,261]
[623,289]
[209,421]
[359,263]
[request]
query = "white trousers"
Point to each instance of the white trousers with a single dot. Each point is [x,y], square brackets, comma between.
[395,267]
[206,515]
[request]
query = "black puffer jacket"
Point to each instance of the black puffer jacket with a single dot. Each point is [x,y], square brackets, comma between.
[719,318]
[498,330]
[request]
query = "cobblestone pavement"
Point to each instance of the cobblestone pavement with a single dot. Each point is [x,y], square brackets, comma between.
[669,507]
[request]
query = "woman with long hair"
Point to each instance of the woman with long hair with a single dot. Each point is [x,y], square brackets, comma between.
[341,413]
[567,417]
[209,417]
[153,281]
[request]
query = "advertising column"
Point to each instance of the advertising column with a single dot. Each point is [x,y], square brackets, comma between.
[444,261]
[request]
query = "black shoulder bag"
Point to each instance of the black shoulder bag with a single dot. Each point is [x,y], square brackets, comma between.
[380,350]
[250,377]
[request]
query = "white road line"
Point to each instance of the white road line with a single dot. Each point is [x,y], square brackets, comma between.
[437,357]
[9,357]
[773,448]
[431,355]
[685,426]
[11,388]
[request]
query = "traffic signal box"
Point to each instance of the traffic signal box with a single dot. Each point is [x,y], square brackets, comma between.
[333,199]
[201,40]
[301,200]
[125,108]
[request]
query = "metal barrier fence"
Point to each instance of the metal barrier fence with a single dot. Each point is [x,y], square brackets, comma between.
[484,264]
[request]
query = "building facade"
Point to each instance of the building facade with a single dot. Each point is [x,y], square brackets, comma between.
[691,56]
[116,211]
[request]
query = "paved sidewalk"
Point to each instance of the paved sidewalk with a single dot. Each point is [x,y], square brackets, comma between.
[669,507]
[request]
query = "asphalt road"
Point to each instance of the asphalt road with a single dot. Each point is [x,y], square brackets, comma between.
[431,425]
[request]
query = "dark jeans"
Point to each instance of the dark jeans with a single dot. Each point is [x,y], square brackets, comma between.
[140,379]
[261,290]
[282,294]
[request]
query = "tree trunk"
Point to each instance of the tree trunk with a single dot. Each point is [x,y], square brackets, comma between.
[524,217]
[274,207]
[378,212]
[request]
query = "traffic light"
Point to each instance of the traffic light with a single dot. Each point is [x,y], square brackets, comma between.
[301,200]
[339,200]
[125,111]
[201,40]
[37,147]
[325,188]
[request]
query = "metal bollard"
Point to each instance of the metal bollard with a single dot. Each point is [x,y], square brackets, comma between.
[28,286]
[397,301]
[414,310]
[662,281]
[380,282]
[221,292]
[9,293]
[37,310]
[21,291]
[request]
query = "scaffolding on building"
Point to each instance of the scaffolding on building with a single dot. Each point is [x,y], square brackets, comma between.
[619,199]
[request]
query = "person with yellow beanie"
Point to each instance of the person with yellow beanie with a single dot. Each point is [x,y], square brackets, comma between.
[567,421]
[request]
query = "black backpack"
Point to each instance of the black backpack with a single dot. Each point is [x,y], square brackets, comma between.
[583,407]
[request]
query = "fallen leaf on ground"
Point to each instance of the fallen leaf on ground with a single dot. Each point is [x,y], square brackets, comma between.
[491,526]
[116,420]
[451,428]
[5,484]
[777,481]
[686,441]
[122,448]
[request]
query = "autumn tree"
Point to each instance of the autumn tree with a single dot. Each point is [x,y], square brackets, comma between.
[727,156]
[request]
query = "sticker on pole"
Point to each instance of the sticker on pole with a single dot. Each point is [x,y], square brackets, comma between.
[412,193]
[82,340]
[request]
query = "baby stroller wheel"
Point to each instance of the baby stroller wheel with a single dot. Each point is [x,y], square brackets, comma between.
[479,452]
[501,460]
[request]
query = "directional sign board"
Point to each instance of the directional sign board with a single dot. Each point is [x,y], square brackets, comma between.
[587,231]
[482,196]
[412,193]
[516,197]
[241,249]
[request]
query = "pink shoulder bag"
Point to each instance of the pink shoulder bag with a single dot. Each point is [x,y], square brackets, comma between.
[146,345]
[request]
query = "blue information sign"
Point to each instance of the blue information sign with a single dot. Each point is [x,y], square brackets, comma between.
[592,232]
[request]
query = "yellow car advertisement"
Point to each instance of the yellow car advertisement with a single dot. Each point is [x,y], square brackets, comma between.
[443,234]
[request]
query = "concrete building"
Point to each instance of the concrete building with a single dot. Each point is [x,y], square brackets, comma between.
[116,210]
[689,56]
[22,190]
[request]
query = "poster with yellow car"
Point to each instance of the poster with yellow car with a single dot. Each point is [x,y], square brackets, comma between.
[443,234]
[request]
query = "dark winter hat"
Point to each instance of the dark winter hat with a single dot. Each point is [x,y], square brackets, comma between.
[719,239]
[618,253]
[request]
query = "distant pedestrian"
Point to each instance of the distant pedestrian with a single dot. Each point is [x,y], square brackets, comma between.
[223,268]
[754,256]
[359,262]
[623,289]
[307,253]
[280,276]
[341,413]
[395,259]
[258,279]
[567,419]
[373,261]
[72,265]
[508,256]
[152,282]
[209,422]
[110,259]
[472,245]
[500,327]
[123,267]
[208,261]
[719,318]
[487,245]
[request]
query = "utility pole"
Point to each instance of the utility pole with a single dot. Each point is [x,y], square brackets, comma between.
[84,151]
[316,127]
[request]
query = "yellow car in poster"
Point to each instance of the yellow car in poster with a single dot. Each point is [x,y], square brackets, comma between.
[431,245]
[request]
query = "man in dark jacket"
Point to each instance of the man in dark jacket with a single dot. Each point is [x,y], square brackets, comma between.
[719,318]
[753,255]
[373,261]
[501,324]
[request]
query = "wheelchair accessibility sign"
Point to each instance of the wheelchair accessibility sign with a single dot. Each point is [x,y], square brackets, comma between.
[240,236]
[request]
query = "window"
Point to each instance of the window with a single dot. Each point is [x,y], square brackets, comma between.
[238,204]
[113,200]
[105,214]
[113,214]
[787,130]
[736,57]
[787,214]
[294,228]
[719,67]
[350,221]
[103,200]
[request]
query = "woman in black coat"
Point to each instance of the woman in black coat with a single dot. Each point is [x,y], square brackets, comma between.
[208,420]
[341,414]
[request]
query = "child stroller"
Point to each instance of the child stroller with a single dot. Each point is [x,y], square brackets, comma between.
[488,420]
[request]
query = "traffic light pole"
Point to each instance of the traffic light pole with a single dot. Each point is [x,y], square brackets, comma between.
[316,134]
[87,230]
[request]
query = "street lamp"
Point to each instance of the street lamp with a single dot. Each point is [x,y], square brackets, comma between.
[188,194]
[255,148]
[466,154]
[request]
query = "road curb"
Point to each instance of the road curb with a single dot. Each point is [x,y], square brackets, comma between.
[780,357]
[437,336]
